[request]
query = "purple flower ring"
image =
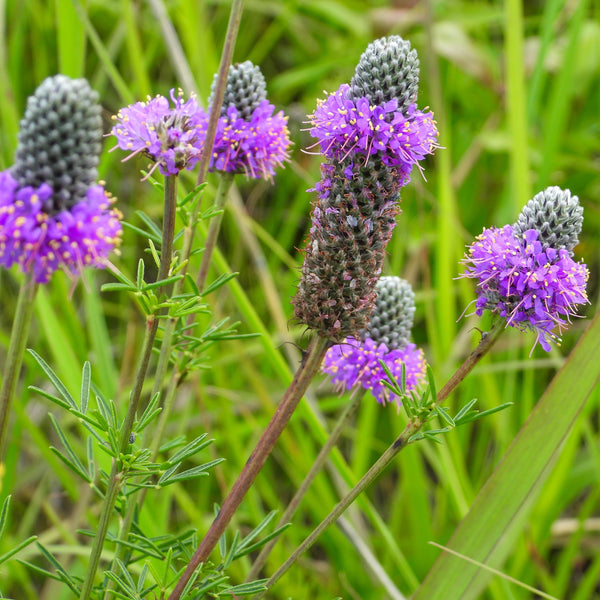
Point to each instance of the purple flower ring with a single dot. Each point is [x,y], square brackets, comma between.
[355,363]
[532,288]
[170,136]
[41,242]
[254,147]
[343,126]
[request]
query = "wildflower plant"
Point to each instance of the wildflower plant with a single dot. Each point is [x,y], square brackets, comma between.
[372,135]
[53,214]
[166,132]
[251,138]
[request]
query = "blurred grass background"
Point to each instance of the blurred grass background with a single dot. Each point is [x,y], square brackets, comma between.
[515,87]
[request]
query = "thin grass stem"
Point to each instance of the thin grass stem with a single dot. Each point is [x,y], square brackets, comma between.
[225,183]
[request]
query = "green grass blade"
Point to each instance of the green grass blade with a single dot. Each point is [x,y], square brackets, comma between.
[488,531]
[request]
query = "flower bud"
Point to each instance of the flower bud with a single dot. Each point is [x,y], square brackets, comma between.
[556,216]
[60,141]
[387,70]
[246,88]
[392,318]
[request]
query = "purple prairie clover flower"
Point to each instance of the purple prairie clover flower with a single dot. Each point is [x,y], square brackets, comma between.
[344,126]
[355,363]
[41,242]
[52,213]
[254,147]
[169,135]
[533,287]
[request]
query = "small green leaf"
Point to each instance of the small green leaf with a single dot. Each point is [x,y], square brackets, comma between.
[443,414]
[86,377]
[141,269]
[218,282]
[54,379]
[246,589]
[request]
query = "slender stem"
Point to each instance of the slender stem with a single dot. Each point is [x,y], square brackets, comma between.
[116,480]
[213,230]
[14,359]
[168,231]
[487,341]
[348,412]
[235,16]
[292,397]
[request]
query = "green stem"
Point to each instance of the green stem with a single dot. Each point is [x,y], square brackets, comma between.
[348,412]
[257,459]
[116,477]
[213,230]
[487,341]
[14,358]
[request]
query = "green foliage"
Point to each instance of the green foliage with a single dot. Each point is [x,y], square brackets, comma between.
[516,103]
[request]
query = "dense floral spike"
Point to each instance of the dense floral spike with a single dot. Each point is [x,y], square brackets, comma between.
[245,90]
[59,141]
[356,362]
[387,70]
[169,135]
[531,286]
[392,319]
[555,215]
[344,126]
[250,138]
[51,213]
[371,134]
[352,222]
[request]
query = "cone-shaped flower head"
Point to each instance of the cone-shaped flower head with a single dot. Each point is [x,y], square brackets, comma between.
[245,90]
[376,114]
[356,361]
[392,319]
[556,216]
[60,140]
[387,70]
[170,135]
[52,214]
[524,279]
[250,138]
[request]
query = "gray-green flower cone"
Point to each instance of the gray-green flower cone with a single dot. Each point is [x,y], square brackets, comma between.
[60,141]
[556,215]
